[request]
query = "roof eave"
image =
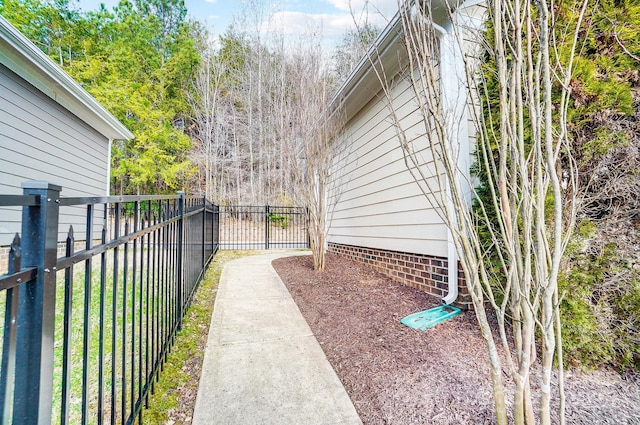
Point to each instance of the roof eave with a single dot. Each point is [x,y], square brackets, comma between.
[22,57]
[363,72]
[363,76]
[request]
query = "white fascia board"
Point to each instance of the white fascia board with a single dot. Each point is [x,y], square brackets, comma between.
[360,87]
[363,71]
[22,57]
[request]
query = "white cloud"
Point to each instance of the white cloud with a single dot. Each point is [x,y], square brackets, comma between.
[372,7]
[326,21]
[299,23]
[340,4]
[333,25]
[211,1]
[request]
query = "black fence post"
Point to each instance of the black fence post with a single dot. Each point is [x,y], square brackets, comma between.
[266,227]
[308,226]
[204,231]
[180,264]
[36,307]
[215,229]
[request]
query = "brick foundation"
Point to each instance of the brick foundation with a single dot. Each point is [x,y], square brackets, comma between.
[424,272]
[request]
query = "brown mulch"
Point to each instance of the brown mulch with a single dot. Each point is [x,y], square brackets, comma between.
[396,375]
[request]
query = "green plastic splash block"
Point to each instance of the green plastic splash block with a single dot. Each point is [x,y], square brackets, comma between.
[424,320]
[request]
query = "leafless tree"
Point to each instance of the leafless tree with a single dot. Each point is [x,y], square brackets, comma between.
[206,103]
[351,49]
[261,117]
[314,130]
[519,139]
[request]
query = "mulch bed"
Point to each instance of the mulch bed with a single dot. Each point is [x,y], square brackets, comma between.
[396,375]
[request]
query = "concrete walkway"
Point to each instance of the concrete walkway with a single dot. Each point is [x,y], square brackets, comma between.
[262,363]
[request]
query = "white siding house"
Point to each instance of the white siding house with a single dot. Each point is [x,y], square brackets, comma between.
[380,215]
[51,129]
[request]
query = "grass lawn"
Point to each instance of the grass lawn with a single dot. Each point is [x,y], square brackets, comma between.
[174,395]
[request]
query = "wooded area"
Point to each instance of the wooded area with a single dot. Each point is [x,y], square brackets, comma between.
[211,116]
[234,119]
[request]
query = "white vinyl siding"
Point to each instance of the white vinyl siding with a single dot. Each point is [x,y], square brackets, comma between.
[376,202]
[40,140]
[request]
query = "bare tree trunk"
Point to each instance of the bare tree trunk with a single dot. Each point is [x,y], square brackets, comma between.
[314,132]
[518,153]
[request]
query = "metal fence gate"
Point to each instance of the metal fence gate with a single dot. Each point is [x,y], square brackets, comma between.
[263,227]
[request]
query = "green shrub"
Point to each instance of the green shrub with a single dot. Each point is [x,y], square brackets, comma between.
[279,220]
[627,327]
[600,309]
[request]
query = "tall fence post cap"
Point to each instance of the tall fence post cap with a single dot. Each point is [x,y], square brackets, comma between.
[41,184]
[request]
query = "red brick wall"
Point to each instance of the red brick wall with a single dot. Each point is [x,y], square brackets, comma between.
[428,273]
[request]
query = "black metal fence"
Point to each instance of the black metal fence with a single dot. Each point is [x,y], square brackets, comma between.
[263,227]
[85,335]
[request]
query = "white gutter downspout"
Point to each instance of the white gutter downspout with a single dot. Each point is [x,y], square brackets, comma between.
[454,104]
[455,99]
[108,188]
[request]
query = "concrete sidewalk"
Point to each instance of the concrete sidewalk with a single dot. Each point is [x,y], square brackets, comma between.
[262,363]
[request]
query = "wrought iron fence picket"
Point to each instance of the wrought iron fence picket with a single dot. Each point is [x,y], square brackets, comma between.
[151,259]
[7,373]
[66,339]
[122,297]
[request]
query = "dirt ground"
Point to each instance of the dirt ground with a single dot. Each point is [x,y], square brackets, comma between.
[396,375]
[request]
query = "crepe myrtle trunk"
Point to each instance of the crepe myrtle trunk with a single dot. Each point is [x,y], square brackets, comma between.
[491,66]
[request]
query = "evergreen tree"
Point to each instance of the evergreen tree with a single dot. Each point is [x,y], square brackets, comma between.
[138,61]
[600,308]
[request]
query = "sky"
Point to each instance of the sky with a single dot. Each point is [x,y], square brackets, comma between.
[327,18]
